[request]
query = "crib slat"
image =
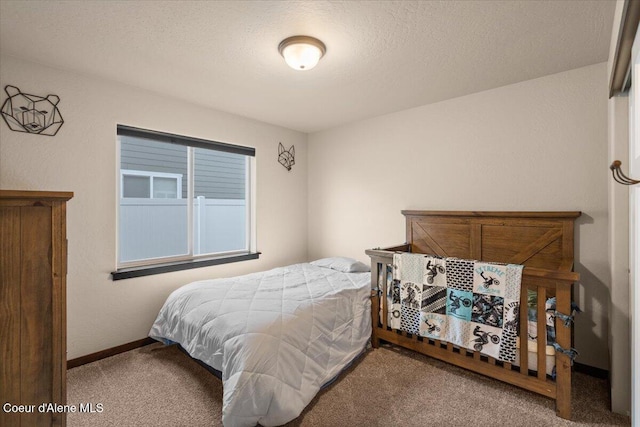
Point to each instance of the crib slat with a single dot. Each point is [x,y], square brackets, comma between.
[563,363]
[492,361]
[542,333]
[383,298]
[524,332]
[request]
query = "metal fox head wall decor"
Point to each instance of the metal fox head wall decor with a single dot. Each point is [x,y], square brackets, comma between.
[286,157]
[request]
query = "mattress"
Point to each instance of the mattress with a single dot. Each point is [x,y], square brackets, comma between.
[532,357]
[276,336]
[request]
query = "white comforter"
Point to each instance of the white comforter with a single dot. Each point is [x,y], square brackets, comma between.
[276,336]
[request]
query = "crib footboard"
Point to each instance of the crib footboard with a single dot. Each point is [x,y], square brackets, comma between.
[544,283]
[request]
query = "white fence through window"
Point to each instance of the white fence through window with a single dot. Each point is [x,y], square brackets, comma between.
[153,228]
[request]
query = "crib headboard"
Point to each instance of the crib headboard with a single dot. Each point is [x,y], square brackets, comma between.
[534,239]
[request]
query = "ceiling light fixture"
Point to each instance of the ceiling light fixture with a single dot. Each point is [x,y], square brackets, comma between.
[302,52]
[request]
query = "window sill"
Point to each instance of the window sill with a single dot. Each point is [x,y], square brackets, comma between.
[148,270]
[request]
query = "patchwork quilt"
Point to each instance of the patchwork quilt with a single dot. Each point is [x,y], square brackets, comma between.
[532,318]
[276,336]
[471,304]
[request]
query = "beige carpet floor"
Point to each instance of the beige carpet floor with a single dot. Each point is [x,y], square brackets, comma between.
[160,386]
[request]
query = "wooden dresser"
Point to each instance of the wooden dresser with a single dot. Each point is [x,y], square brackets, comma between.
[33,268]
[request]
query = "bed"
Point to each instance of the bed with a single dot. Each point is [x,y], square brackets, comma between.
[542,242]
[277,337]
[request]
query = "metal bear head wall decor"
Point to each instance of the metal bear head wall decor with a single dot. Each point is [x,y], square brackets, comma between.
[35,114]
[286,157]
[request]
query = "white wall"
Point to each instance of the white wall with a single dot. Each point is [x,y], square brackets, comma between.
[82,158]
[535,145]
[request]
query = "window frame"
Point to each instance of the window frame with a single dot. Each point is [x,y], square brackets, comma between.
[159,265]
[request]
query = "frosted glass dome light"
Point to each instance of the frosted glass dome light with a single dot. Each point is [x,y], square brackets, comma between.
[301,52]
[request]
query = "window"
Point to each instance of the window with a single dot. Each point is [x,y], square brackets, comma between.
[182,201]
[150,185]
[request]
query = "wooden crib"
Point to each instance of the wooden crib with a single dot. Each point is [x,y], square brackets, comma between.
[541,241]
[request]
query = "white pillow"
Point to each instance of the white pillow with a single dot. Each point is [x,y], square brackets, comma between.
[343,264]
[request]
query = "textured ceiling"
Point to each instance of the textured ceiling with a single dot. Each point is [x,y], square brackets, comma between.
[381,56]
